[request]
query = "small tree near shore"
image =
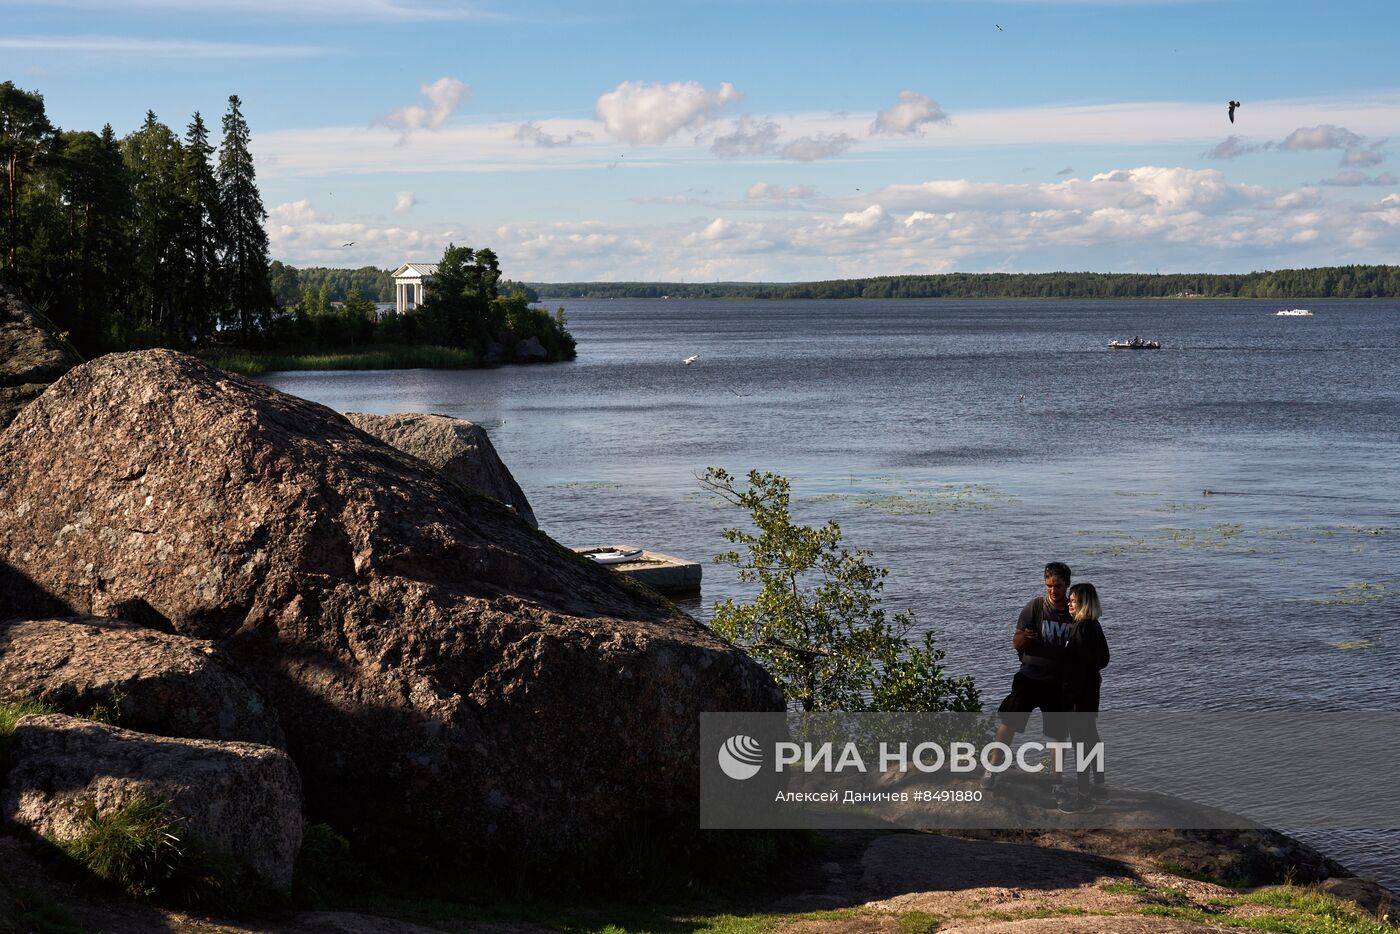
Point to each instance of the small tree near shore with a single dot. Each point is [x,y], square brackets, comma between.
[817,624]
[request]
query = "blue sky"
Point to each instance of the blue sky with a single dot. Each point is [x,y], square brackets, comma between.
[768,140]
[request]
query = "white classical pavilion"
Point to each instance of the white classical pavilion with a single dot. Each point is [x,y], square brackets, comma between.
[409,280]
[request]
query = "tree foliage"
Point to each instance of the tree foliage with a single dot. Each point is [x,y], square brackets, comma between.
[249,301]
[159,240]
[26,139]
[817,624]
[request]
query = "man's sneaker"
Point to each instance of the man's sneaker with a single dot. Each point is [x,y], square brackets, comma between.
[1073,803]
[989,780]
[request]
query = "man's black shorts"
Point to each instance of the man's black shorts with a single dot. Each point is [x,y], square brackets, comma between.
[1029,693]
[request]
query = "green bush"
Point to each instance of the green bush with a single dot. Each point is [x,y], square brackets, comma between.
[816,624]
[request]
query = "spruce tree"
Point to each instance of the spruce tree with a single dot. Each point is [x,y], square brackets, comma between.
[248,299]
[96,190]
[153,156]
[201,234]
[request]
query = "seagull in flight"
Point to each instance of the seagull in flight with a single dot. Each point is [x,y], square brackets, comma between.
[344,245]
[1233,105]
[691,359]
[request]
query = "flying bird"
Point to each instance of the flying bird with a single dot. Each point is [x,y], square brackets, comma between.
[691,359]
[344,245]
[999,29]
[1233,105]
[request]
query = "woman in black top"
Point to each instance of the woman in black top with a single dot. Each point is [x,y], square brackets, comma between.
[1086,656]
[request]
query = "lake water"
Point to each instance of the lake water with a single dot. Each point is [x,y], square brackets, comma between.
[966,443]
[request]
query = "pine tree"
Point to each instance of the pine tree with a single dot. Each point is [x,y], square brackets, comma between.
[25,139]
[248,298]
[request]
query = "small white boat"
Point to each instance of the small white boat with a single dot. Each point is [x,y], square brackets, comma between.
[1137,343]
[1293,313]
[612,555]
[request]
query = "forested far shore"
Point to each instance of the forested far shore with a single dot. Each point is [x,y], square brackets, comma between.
[1322,282]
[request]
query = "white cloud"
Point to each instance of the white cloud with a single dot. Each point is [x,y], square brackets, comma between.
[1297,200]
[1232,148]
[1133,219]
[1352,178]
[300,234]
[747,136]
[161,48]
[821,146]
[443,96]
[1365,158]
[462,146]
[404,201]
[643,113]
[908,117]
[532,132]
[762,191]
[1324,136]
[295,213]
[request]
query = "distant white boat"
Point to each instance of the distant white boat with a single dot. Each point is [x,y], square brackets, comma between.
[1293,313]
[1137,343]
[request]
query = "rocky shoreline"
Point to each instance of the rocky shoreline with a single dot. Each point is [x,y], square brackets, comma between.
[285,615]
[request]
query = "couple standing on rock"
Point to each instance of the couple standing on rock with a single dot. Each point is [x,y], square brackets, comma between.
[1062,649]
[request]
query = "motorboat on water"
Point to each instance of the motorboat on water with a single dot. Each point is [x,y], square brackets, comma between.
[1293,313]
[1137,343]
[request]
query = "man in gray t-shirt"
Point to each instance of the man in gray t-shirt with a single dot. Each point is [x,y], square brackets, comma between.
[1040,640]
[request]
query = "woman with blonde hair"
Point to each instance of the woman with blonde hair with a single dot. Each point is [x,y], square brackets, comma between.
[1086,656]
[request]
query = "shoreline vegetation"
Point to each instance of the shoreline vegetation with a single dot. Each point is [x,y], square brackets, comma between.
[1321,282]
[389,357]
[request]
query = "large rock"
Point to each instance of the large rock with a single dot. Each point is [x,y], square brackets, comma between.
[154,682]
[446,676]
[30,356]
[240,799]
[462,451]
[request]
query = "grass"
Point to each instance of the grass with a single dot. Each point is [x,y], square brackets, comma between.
[9,716]
[1352,645]
[11,713]
[1301,910]
[386,357]
[139,848]
[134,847]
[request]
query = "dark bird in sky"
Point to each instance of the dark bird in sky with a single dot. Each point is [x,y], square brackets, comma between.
[999,29]
[344,245]
[1233,105]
